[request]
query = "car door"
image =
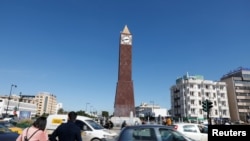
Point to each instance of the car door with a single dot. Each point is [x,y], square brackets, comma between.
[203,132]
[191,131]
[86,131]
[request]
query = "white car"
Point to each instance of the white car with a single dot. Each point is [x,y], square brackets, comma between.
[91,130]
[195,131]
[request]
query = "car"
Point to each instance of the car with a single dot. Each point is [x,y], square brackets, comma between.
[150,132]
[7,135]
[11,127]
[90,129]
[198,132]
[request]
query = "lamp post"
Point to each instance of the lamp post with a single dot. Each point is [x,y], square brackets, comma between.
[86,108]
[12,85]
[20,98]
[152,107]
[90,110]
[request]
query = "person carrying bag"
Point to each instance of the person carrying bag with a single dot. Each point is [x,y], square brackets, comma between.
[35,132]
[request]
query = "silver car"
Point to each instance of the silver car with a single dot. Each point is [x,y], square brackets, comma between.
[150,132]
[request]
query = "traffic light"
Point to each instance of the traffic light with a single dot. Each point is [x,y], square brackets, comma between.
[209,105]
[204,106]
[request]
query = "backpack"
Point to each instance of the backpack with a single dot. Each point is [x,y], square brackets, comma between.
[26,138]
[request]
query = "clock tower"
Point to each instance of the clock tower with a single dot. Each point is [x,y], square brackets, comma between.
[124,98]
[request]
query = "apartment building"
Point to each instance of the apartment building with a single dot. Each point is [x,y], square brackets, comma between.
[189,92]
[46,103]
[238,89]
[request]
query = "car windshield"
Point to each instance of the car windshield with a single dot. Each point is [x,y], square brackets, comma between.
[94,124]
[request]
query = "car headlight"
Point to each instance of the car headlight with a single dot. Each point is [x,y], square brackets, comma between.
[108,136]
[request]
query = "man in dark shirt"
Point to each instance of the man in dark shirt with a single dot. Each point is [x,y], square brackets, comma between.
[67,131]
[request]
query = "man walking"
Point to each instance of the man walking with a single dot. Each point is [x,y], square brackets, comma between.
[67,131]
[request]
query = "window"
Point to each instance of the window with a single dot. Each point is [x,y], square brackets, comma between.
[191,86]
[192,93]
[189,128]
[214,95]
[207,94]
[192,102]
[200,111]
[167,135]
[143,134]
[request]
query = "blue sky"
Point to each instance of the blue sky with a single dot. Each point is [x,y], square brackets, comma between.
[70,48]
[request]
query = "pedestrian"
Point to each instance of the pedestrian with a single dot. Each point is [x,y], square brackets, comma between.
[124,124]
[35,132]
[168,121]
[69,131]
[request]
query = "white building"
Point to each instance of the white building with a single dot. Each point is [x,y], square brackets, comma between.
[145,109]
[17,105]
[20,105]
[188,94]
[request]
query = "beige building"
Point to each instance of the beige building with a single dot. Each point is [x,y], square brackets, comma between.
[238,88]
[46,103]
[188,94]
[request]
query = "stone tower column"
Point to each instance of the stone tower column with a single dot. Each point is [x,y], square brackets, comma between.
[124,98]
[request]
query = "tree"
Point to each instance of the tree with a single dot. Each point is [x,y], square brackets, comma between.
[60,111]
[105,114]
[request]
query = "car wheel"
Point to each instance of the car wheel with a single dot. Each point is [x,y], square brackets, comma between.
[96,140]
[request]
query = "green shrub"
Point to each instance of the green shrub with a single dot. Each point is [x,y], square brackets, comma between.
[24,123]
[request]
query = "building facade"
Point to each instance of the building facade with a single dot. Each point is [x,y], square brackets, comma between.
[18,105]
[46,103]
[238,88]
[152,110]
[188,94]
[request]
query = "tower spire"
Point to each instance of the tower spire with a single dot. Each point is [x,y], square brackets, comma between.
[126,30]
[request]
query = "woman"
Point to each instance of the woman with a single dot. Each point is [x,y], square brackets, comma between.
[35,132]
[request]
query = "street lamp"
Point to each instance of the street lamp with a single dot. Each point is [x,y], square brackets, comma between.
[152,106]
[9,99]
[86,107]
[90,110]
[20,98]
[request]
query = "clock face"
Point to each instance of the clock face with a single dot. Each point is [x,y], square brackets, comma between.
[126,39]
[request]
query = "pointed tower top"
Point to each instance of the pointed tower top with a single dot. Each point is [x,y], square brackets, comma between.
[125,30]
